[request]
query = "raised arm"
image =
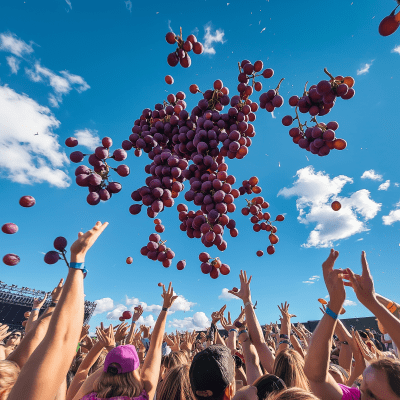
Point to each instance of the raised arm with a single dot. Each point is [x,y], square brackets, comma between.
[47,367]
[253,371]
[37,331]
[284,337]
[317,359]
[33,316]
[266,357]
[152,362]
[363,286]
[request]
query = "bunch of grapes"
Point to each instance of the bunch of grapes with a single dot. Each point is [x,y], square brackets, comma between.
[250,186]
[181,54]
[159,226]
[125,315]
[272,99]
[97,180]
[51,257]
[213,266]
[156,250]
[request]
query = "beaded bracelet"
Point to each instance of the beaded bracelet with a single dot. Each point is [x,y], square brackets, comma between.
[284,342]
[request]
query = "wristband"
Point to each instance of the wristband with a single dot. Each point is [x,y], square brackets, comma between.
[35,309]
[80,266]
[249,302]
[242,331]
[282,336]
[233,330]
[331,313]
[164,309]
[391,307]
[284,342]
[52,304]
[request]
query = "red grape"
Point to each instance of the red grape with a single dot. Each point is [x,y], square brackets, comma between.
[11,259]
[260,253]
[51,257]
[71,142]
[9,228]
[181,265]
[60,243]
[169,79]
[129,260]
[270,249]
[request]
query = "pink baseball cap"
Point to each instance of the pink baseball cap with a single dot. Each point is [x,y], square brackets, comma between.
[125,356]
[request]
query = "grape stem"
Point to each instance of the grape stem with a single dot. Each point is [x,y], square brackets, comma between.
[279,84]
[65,258]
[305,89]
[329,74]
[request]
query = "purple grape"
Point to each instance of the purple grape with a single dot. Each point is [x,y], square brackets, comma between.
[95,179]
[82,169]
[106,142]
[104,194]
[9,228]
[95,161]
[172,59]
[342,89]
[51,257]
[60,243]
[303,143]
[76,156]
[318,143]
[328,135]
[123,170]
[332,125]
[206,268]
[11,259]
[350,93]
[119,155]
[316,132]
[114,187]
[323,87]
[293,101]
[127,145]
[71,142]
[324,151]
[135,209]
[287,120]
[101,152]
[27,201]
[93,198]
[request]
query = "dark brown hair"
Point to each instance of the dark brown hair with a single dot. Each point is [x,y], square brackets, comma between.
[268,384]
[392,370]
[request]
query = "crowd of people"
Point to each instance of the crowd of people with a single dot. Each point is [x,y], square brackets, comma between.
[55,358]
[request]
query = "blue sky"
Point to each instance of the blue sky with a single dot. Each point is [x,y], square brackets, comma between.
[87,69]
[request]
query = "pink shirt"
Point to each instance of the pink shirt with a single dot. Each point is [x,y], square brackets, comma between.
[350,393]
[93,396]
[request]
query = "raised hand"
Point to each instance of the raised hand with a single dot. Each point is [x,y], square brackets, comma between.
[87,342]
[244,292]
[240,319]
[138,312]
[217,315]
[334,282]
[39,303]
[84,331]
[121,332]
[56,293]
[284,309]
[85,241]
[4,331]
[168,296]
[369,355]
[363,285]
[106,337]
[227,324]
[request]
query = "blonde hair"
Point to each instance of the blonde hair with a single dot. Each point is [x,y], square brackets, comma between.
[289,366]
[112,385]
[176,385]
[175,358]
[293,393]
[9,372]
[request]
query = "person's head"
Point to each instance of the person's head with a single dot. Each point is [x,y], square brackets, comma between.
[289,366]
[9,372]
[268,384]
[14,339]
[293,394]
[338,373]
[176,385]
[212,374]
[381,327]
[120,375]
[174,359]
[381,380]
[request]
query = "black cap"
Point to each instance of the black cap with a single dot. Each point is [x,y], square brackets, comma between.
[212,370]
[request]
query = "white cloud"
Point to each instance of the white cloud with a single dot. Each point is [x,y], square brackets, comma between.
[11,43]
[397,184]
[396,49]
[364,69]
[371,174]
[103,305]
[13,63]
[315,192]
[128,4]
[61,85]
[349,303]
[394,216]
[384,185]
[327,296]
[88,138]
[117,312]
[181,304]
[227,296]
[313,279]
[69,3]
[147,321]
[209,39]
[28,158]
[199,321]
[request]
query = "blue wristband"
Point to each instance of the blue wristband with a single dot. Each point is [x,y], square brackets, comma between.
[331,313]
[80,266]
[233,330]
[35,309]
[242,331]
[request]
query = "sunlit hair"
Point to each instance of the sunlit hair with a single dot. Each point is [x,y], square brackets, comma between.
[111,384]
[99,362]
[391,368]
[9,371]
[176,385]
[289,366]
[175,358]
[293,393]
[268,384]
